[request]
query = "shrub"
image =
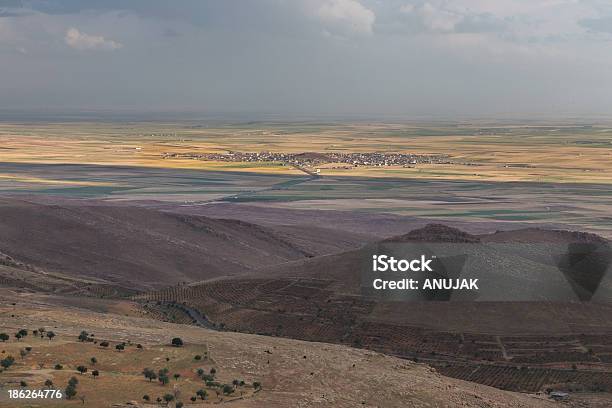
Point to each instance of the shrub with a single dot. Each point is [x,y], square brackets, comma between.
[7,362]
[58,366]
[177,342]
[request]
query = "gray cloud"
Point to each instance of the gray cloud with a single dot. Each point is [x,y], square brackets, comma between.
[400,57]
[603,24]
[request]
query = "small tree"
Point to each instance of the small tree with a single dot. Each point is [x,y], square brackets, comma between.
[146,398]
[200,372]
[227,389]
[236,383]
[104,343]
[23,332]
[177,342]
[193,398]
[213,371]
[257,385]
[93,360]
[50,335]
[23,353]
[83,336]
[179,404]
[70,391]
[73,381]
[95,373]
[197,357]
[48,383]
[163,379]
[149,374]
[82,398]
[176,376]
[4,337]
[82,369]
[168,398]
[201,393]
[58,367]
[18,336]
[120,347]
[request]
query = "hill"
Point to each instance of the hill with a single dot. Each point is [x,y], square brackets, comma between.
[292,373]
[134,247]
[327,299]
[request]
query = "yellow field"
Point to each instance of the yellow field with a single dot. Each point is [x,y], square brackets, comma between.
[560,154]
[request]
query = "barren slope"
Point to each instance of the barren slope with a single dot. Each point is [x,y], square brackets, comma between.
[135,247]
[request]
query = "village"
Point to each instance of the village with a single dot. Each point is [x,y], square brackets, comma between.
[376,159]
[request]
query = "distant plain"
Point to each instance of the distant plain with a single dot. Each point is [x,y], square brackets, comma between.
[545,174]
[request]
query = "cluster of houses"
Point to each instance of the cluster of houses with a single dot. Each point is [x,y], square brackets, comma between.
[315,159]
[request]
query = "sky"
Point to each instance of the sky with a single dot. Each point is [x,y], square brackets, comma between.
[375,58]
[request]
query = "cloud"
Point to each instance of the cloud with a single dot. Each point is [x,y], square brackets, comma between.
[81,41]
[603,25]
[347,15]
[437,19]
